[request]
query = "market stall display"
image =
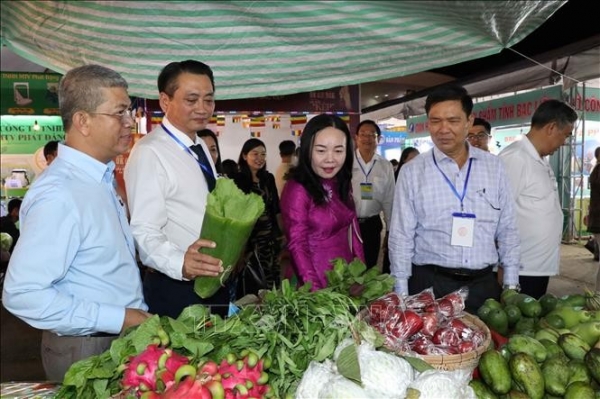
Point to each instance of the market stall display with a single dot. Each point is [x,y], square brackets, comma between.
[355,338]
[552,347]
[287,329]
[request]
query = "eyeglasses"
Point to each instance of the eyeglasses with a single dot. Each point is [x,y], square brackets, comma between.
[121,115]
[480,136]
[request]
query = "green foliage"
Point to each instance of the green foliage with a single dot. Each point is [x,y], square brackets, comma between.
[354,279]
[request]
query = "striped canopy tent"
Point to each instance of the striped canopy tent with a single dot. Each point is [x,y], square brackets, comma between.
[266,48]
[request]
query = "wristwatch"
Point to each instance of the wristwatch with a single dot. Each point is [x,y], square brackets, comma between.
[515,287]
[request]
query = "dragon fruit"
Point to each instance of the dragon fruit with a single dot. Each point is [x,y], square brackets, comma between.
[244,377]
[152,370]
[189,388]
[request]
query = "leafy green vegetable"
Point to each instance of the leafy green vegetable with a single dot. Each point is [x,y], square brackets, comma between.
[354,279]
[228,221]
[290,327]
[348,365]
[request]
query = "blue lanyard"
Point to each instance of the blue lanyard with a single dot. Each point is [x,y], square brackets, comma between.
[363,169]
[204,167]
[459,196]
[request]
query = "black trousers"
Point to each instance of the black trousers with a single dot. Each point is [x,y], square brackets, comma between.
[481,287]
[370,231]
[534,286]
[168,297]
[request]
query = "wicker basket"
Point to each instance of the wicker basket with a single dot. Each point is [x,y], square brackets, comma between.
[467,360]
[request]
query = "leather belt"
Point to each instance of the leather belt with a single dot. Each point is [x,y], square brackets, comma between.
[462,273]
[101,335]
[367,219]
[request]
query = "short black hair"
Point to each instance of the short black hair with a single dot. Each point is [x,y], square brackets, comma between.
[482,122]
[553,111]
[50,148]
[287,147]
[167,79]
[369,122]
[13,204]
[450,93]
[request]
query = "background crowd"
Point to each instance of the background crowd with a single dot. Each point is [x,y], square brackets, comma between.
[454,216]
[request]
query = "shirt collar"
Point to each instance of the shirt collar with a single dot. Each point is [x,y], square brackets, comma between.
[474,153]
[184,138]
[97,170]
[530,149]
[359,157]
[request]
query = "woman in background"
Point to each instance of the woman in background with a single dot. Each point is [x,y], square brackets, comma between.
[407,155]
[263,245]
[210,139]
[318,211]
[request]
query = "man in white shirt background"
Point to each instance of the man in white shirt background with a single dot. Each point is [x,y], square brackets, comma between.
[372,188]
[534,187]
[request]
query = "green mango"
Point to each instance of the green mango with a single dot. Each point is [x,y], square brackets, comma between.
[527,374]
[573,300]
[548,302]
[519,343]
[552,348]
[546,333]
[513,313]
[589,331]
[524,324]
[579,390]
[570,316]
[578,372]
[556,375]
[554,321]
[592,361]
[497,320]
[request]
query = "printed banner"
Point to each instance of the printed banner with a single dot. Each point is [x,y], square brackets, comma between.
[29,93]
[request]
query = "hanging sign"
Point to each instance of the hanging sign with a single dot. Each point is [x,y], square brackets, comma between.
[29,93]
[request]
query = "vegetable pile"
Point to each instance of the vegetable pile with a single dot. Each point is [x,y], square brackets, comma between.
[552,350]
[287,330]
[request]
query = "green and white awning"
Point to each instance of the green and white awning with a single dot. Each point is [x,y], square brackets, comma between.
[266,48]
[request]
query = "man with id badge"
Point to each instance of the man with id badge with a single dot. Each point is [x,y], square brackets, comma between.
[168,176]
[452,205]
[372,188]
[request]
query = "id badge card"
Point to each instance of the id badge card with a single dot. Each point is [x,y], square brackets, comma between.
[366,191]
[463,227]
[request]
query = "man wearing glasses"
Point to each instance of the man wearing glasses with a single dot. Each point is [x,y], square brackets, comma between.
[73,273]
[479,134]
[372,188]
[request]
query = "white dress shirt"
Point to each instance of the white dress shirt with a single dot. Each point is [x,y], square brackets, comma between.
[539,215]
[379,172]
[166,192]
